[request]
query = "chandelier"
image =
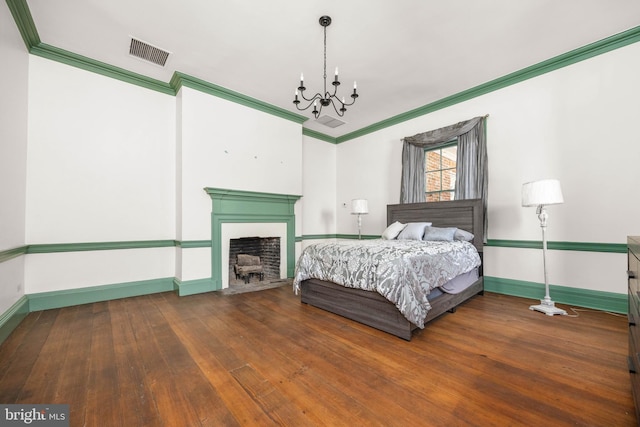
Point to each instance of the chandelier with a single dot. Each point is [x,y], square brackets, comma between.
[323,100]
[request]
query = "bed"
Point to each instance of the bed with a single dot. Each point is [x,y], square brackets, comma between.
[373,309]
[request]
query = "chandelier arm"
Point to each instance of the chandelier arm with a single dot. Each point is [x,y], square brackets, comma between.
[313,98]
[305,108]
[347,104]
[335,108]
[335,90]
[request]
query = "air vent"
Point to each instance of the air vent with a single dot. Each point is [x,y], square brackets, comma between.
[147,52]
[329,121]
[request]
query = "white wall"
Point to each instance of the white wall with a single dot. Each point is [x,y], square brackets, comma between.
[109,161]
[574,124]
[100,168]
[13,156]
[318,188]
[228,145]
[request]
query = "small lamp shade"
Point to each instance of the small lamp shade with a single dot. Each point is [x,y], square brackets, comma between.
[359,206]
[543,192]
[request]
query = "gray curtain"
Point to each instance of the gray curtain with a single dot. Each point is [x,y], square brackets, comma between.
[471,164]
[472,178]
[413,183]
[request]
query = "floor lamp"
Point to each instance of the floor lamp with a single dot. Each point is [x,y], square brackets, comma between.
[359,207]
[542,193]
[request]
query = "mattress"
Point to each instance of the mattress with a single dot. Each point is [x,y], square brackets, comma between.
[456,285]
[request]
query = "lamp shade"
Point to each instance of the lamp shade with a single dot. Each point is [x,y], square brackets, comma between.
[543,192]
[359,206]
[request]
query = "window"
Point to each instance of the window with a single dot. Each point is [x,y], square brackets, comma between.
[440,175]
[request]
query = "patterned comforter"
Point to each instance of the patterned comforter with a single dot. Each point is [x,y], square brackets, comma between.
[402,271]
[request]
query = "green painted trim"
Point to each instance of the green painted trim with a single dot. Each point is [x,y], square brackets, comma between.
[336,236]
[597,300]
[280,203]
[619,248]
[317,135]
[188,244]
[317,236]
[98,246]
[24,21]
[60,55]
[267,210]
[11,318]
[355,236]
[70,297]
[236,206]
[179,80]
[597,48]
[192,287]
[8,254]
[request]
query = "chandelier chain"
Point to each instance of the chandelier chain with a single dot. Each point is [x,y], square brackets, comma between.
[324,76]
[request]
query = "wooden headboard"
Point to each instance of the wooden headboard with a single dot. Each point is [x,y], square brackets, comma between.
[465,214]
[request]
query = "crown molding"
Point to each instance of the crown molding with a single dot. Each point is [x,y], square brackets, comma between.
[318,135]
[183,80]
[65,57]
[597,48]
[24,21]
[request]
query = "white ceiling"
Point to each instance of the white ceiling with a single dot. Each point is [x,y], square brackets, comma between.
[404,54]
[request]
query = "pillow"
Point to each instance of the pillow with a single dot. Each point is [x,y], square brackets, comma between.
[413,231]
[463,235]
[393,230]
[439,233]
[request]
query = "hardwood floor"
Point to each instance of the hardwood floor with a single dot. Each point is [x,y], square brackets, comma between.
[263,358]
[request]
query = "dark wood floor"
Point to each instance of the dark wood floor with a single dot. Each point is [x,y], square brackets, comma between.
[264,358]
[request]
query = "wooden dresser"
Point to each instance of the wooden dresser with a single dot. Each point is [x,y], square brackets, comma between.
[633,270]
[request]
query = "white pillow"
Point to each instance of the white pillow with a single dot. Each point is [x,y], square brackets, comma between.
[393,230]
[413,231]
[463,235]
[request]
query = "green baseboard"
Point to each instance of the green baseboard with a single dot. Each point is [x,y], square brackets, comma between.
[192,287]
[597,300]
[69,297]
[11,318]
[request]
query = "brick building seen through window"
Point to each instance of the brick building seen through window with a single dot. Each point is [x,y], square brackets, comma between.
[440,172]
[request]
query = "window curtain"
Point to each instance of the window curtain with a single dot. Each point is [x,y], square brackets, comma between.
[472,178]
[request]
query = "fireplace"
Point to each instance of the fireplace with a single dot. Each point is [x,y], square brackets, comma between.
[266,249]
[242,230]
[237,214]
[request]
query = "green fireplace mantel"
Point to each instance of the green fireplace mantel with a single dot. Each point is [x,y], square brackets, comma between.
[235,206]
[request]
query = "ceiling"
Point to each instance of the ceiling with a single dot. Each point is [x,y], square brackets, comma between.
[403,54]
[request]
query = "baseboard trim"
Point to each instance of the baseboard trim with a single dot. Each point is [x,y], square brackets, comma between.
[11,318]
[65,298]
[192,287]
[597,300]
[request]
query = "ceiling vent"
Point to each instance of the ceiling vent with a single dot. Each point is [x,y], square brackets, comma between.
[147,52]
[329,121]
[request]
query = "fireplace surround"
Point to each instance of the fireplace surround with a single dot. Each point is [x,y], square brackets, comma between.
[249,207]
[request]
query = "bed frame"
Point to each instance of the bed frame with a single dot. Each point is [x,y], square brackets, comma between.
[372,309]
